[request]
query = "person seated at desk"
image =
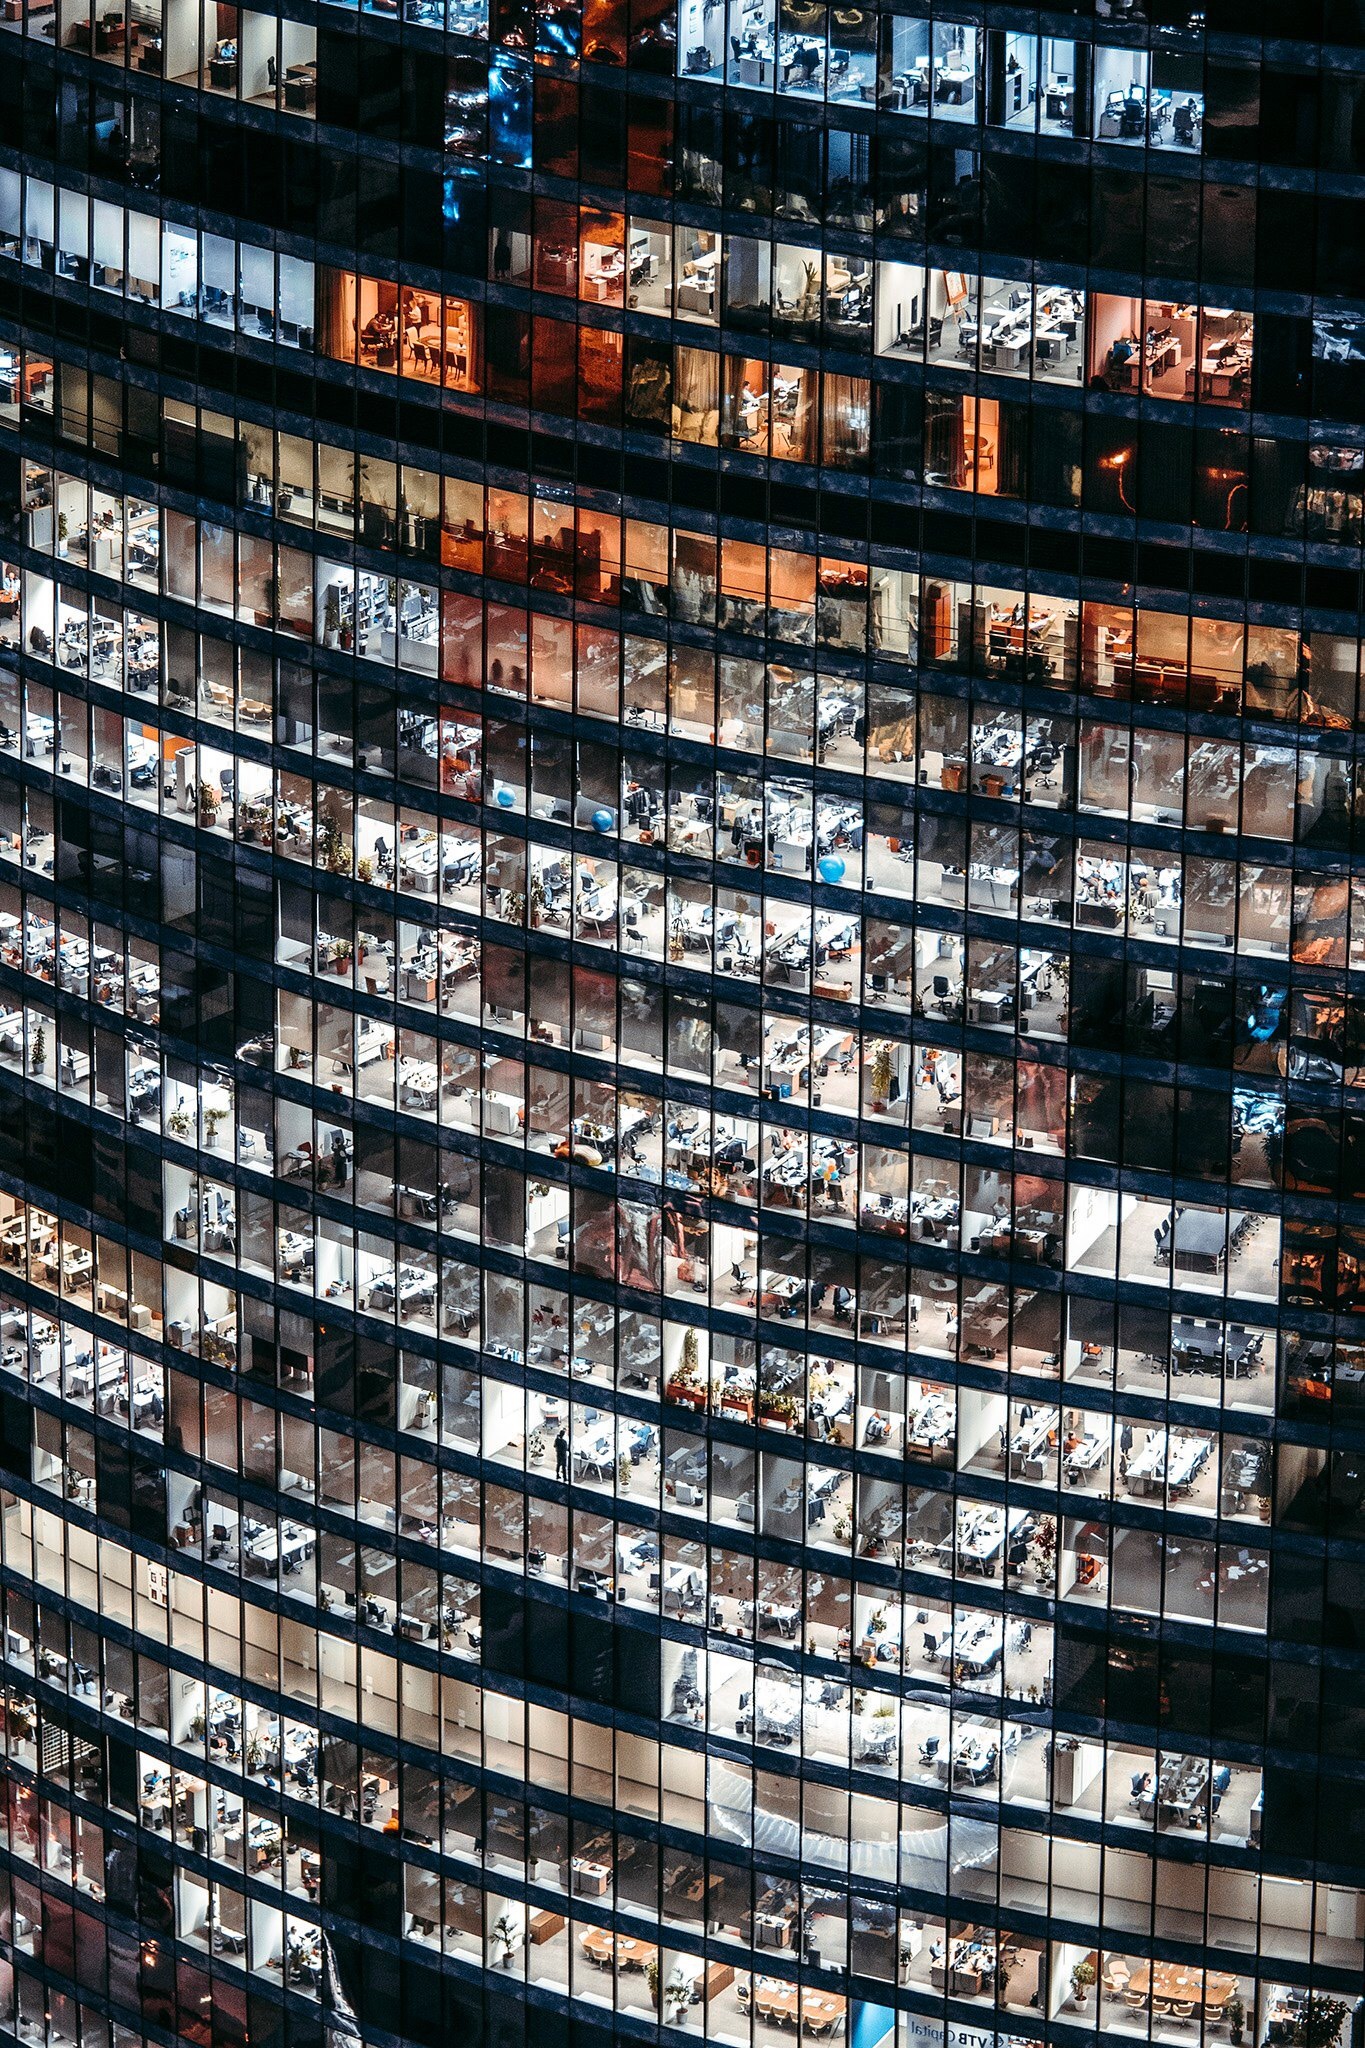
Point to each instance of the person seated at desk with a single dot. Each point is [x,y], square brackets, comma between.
[803,64]
[1120,357]
[1133,114]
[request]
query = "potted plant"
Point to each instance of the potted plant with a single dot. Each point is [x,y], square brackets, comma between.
[882,1076]
[1082,1977]
[786,1413]
[210,797]
[504,1936]
[213,1120]
[39,1054]
[364,869]
[1234,2012]
[684,1384]
[333,851]
[63,531]
[677,1997]
[1320,2023]
[178,1123]
[652,1979]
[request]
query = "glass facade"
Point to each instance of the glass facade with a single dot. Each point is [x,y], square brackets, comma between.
[682,1022]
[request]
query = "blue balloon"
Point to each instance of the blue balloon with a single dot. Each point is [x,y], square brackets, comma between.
[506,799]
[832,869]
[602,820]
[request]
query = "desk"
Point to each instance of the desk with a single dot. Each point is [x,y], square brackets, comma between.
[287,1547]
[982,1533]
[1086,1456]
[931,1425]
[590,1880]
[1176,1460]
[977,1642]
[1181,1790]
[1031,1444]
[953,83]
[300,87]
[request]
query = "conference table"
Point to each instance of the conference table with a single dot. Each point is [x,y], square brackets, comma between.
[1180,1986]
[627,1951]
[820,2012]
[1200,1241]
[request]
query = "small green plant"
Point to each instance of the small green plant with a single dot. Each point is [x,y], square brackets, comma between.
[333,852]
[1082,1977]
[677,1997]
[504,1934]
